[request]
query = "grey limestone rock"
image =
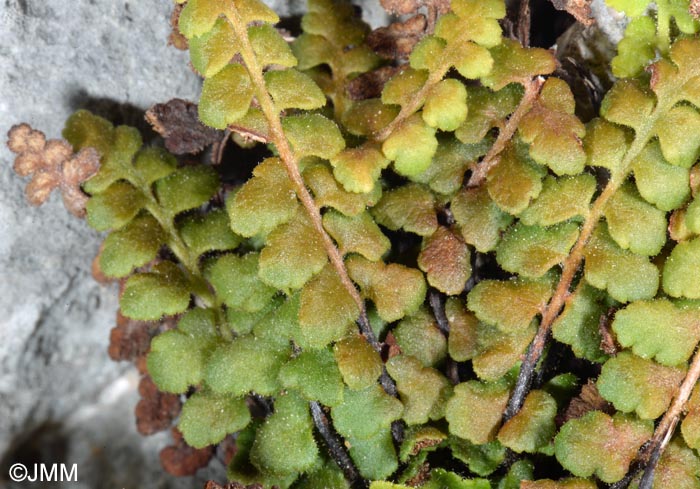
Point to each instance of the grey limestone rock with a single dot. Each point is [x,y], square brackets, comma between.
[61,398]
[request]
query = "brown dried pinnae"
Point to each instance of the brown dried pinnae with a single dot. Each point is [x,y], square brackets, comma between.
[180,459]
[176,38]
[391,346]
[589,399]
[440,6]
[401,7]
[580,9]
[75,171]
[421,477]
[695,179]
[178,122]
[677,230]
[398,39]
[22,139]
[423,444]
[370,85]
[129,339]
[608,343]
[97,273]
[156,410]
[694,9]
[52,164]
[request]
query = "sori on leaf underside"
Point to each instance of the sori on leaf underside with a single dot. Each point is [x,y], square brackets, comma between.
[412,274]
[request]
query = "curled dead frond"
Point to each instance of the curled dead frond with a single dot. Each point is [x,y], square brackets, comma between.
[52,164]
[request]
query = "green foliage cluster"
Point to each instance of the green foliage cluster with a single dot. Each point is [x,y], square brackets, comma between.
[289,287]
[647,36]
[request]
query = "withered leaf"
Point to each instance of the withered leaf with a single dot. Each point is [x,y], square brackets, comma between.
[694,9]
[180,459]
[695,170]
[129,339]
[52,164]
[97,273]
[177,121]
[677,228]
[23,139]
[371,84]
[421,477]
[156,410]
[176,38]
[580,9]
[589,399]
[608,343]
[401,7]
[440,6]
[397,40]
[391,346]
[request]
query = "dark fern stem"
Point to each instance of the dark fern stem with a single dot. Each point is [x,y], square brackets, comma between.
[336,448]
[437,304]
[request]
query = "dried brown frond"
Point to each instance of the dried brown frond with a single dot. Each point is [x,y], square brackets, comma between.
[589,399]
[695,179]
[677,229]
[396,41]
[401,7]
[156,410]
[580,9]
[130,339]
[176,39]
[370,85]
[421,477]
[52,165]
[97,273]
[180,459]
[23,139]
[391,346]
[440,6]
[694,9]
[608,343]
[423,444]
[178,122]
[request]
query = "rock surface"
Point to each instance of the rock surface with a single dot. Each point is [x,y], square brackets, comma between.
[61,398]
